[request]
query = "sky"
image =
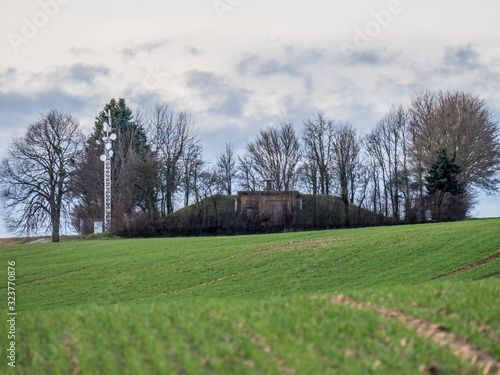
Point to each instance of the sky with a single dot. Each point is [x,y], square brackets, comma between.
[240,65]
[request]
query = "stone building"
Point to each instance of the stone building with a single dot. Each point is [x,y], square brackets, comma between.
[269,207]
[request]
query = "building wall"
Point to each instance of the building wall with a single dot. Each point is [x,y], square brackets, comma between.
[270,207]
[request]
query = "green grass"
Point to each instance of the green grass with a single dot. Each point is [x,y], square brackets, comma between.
[469,309]
[253,304]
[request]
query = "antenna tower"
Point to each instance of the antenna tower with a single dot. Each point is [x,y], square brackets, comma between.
[106,158]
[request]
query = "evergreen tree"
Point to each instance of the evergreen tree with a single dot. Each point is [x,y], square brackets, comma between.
[127,130]
[443,186]
[442,175]
[133,167]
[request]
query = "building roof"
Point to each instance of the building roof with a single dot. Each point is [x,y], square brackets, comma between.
[269,192]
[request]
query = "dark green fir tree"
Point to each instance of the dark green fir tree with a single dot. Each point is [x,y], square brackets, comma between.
[443,186]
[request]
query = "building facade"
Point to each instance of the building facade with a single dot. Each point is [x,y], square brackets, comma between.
[269,207]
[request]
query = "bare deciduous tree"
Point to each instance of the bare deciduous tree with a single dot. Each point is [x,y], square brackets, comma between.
[192,163]
[211,187]
[308,175]
[247,173]
[376,170]
[346,147]
[140,178]
[275,155]
[423,104]
[318,136]
[226,168]
[170,135]
[464,125]
[391,131]
[36,174]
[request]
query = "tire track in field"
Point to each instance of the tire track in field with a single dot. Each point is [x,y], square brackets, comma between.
[430,330]
[69,346]
[490,332]
[494,255]
[289,246]
[53,277]
[204,284]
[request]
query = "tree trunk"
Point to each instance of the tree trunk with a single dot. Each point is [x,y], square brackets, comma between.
[170,205]
[315,209]
[56,223]
[345,197]
[346,210]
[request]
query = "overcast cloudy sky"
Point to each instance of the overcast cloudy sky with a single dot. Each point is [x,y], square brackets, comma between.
[238,65]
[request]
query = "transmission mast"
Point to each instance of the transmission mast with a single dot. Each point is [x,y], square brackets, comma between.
[106,158]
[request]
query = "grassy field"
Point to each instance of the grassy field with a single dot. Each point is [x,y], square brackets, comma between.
[268,304]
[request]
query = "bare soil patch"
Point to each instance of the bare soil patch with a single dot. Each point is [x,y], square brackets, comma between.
[494,255]
[289,246]
[13,241]
[434,331]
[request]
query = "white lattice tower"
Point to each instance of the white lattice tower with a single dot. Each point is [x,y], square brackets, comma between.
[106,158]
[107,193]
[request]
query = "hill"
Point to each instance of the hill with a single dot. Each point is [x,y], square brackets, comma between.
[387,300]
[217,215]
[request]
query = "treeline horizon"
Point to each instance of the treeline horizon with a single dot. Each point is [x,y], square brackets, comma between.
[422,162]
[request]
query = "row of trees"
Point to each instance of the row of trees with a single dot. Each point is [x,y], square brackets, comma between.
[391,170]
[421,162]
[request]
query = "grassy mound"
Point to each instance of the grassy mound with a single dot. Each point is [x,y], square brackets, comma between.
[217,215]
